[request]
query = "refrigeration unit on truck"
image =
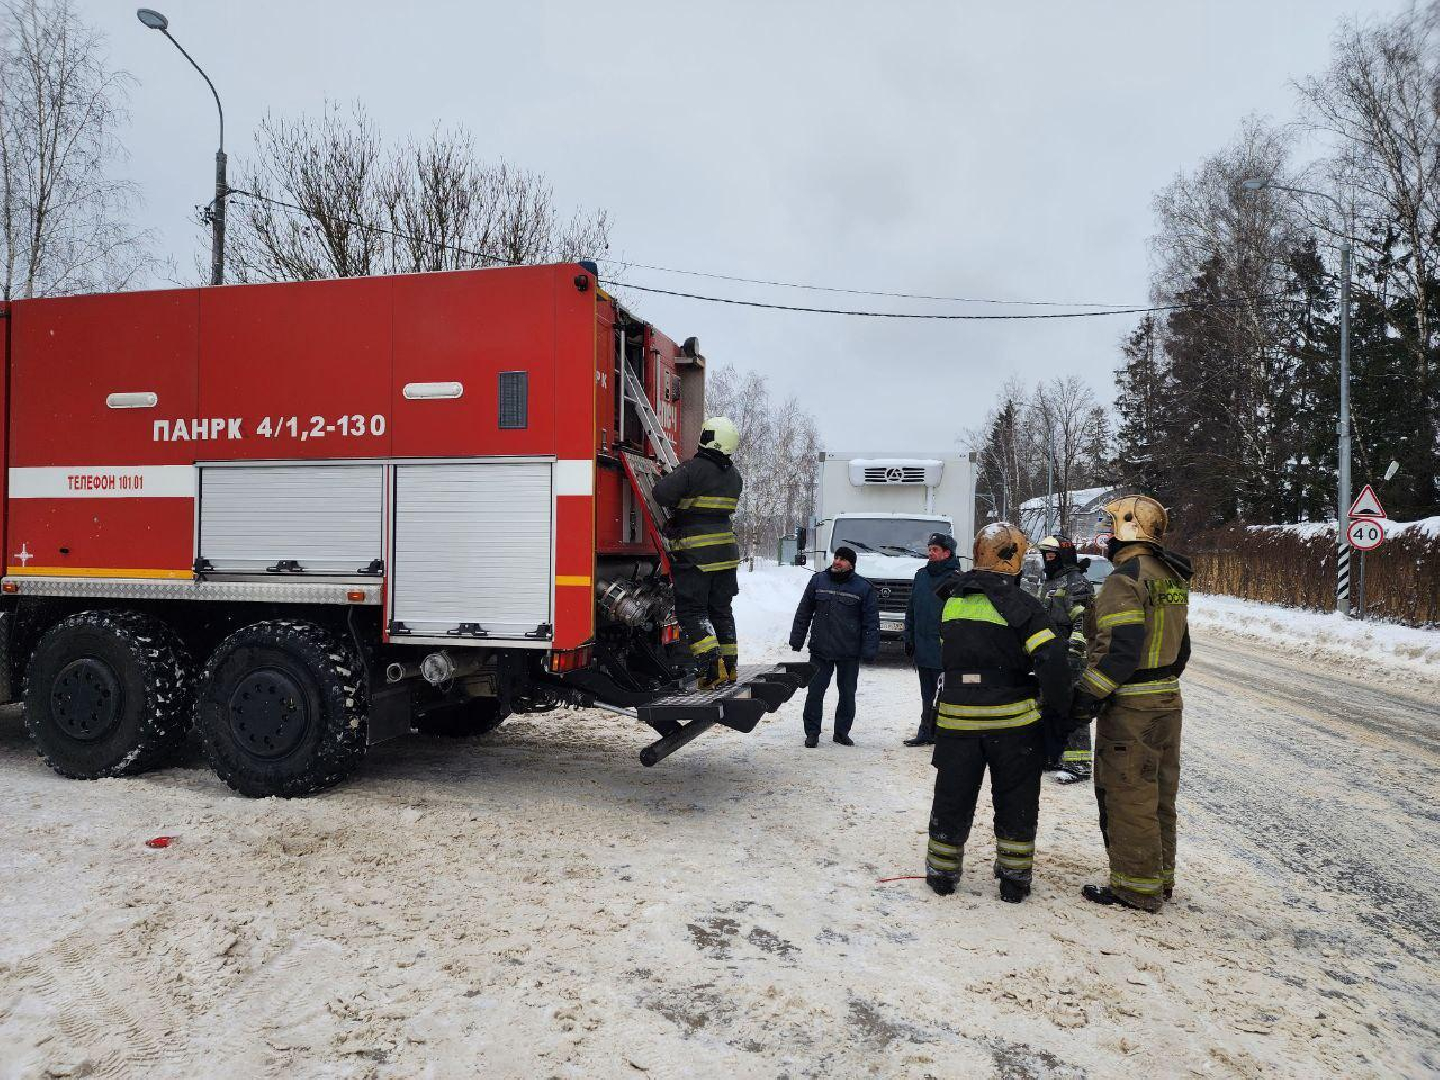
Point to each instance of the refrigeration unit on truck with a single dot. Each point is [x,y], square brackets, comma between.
[885,506]
[306,516]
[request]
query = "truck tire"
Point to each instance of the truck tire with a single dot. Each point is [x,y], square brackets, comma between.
[282,709]
[478,716]
[107,693]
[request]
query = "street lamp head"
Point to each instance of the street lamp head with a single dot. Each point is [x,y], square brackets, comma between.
[153,19]
[1255,183]
[1392,470]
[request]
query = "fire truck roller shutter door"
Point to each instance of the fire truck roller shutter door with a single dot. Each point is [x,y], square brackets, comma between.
[474,549]
[325,518]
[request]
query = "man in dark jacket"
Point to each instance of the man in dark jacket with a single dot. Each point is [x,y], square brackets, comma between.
[842,615]
[922,629]
[993,635]
[701,495]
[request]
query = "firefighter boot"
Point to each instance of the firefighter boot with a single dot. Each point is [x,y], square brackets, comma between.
[943,882]
[732,667]
[1012,892]
[1072,772]
[1102,894]
[716,674]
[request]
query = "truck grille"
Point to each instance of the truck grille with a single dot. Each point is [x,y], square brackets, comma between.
[895,474]
[893,595]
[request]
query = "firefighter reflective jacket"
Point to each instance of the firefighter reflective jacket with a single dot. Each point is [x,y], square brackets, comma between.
[1000,655]
[1137,629]
[1067,597]
[701,495]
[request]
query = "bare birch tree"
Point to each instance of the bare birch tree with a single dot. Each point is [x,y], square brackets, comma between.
[778,456]
[327,198]
[1014,444]
[64,212]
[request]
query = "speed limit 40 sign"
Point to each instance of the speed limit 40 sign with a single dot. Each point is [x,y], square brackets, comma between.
[1365,534]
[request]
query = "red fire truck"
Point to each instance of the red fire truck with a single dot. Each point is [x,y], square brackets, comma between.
[306,517]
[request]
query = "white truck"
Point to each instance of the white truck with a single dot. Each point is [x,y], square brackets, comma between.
[885,506]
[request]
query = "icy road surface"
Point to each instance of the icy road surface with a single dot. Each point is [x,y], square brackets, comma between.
[535,904]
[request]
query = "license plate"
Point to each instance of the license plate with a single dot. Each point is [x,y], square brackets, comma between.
[893,627]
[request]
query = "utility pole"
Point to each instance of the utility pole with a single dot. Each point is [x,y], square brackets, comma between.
[1342,510]
[1342,427]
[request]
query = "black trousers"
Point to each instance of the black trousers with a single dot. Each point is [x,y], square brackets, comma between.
[702,604]
[847,677]
[929,687]
[1014,758]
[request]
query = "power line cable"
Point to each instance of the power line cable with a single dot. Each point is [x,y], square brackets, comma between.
[863,292]
[936,315]
[932,316]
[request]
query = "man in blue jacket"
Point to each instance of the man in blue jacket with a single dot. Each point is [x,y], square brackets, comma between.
[842,616]
[922,629]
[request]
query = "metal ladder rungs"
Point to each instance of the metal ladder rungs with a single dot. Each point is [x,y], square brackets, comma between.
[635,394]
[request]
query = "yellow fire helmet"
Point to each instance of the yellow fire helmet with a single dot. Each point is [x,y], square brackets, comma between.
[720,434]
[1137,518]
[1000,547]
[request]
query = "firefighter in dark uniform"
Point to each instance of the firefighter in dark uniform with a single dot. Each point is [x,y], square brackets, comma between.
[1068,594]
[1139,645]
[1004,670]
[701,495]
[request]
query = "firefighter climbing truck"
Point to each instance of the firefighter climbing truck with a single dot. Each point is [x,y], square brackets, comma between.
[307,517]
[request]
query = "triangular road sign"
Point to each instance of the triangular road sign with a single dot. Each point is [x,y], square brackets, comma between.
[1367,505]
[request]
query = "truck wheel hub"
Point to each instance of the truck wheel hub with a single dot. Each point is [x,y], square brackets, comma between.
[87,699]
[268,714]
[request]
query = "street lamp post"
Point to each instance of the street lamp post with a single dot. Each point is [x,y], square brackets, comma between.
[1342,428]
[156,21]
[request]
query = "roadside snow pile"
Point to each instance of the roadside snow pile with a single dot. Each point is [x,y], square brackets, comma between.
[765,609]
[1424,527]
[1324,636]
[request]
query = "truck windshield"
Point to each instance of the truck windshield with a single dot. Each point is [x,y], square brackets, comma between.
[893,536]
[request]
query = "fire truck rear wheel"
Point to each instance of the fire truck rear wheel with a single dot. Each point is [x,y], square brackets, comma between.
[281,709]
[107,693]
[478,716]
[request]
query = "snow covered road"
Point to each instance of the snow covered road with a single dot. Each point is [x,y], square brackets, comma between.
[535,904]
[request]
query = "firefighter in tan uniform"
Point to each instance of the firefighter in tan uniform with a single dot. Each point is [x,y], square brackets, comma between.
[1139,644]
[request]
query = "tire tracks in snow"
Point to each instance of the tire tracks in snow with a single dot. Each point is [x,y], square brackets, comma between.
[1331,801]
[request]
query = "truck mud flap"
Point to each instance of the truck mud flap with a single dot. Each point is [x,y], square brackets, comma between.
[758,689]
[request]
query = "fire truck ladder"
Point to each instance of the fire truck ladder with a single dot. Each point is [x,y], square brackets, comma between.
[634,393]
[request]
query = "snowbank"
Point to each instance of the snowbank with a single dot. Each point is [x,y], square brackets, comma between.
[1429,527]
[1323,636]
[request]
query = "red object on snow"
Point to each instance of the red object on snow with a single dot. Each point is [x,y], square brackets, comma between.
[160,842]
[902,877]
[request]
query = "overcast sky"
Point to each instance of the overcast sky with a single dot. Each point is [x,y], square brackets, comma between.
[961,149]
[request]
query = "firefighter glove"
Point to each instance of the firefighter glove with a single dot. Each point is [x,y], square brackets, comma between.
[1085,708]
